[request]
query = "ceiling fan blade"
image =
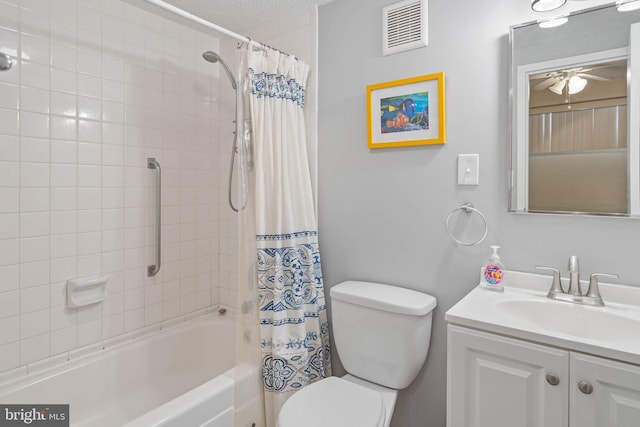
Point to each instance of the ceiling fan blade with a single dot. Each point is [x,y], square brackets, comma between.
[545,84]
[593,77]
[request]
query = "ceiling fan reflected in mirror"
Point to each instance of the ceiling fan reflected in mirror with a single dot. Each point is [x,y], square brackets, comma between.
[574,79]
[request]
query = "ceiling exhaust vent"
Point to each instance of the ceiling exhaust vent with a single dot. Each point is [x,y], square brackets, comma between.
[404,26]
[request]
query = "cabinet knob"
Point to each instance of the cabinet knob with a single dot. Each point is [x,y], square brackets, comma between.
[552,379]
[585,387]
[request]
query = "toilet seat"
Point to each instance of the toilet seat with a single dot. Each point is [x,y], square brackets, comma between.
[333,402]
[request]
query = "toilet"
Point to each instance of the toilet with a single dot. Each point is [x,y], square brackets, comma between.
[382,336]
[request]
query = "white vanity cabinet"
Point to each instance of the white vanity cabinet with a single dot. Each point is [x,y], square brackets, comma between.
[497,381]
[614,399]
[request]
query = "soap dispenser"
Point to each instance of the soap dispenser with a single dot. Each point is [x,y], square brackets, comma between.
[493,272]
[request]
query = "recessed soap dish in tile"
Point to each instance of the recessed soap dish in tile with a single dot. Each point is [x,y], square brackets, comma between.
[86,290]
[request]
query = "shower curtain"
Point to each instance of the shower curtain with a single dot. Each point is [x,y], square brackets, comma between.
[283,327]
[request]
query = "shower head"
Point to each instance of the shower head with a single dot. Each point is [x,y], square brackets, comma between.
[210,56]
[213,57]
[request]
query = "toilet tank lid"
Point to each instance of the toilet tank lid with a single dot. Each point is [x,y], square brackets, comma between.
[384,297]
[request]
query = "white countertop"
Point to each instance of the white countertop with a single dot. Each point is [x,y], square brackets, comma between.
[484,309]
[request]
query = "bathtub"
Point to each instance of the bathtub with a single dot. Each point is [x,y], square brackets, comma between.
[179,376]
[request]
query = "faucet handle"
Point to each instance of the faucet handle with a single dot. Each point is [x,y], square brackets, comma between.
[593,290]
[556,285]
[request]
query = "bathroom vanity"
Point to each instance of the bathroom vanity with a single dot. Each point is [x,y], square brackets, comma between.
[518,358]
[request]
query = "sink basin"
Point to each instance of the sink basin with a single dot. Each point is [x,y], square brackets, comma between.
[570,319]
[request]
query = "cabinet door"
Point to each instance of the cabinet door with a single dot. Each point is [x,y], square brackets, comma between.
[614,400]
[494,381]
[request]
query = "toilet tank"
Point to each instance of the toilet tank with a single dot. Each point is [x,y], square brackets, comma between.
[381,332]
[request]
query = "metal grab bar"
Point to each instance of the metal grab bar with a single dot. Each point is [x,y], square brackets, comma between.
[152,270]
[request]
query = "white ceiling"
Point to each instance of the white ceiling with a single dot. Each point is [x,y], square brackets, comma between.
[237,15]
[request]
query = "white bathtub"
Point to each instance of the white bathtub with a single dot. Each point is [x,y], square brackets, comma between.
[180,376]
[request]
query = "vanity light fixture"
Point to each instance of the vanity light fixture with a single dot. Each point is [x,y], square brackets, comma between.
[627,6]
[555,22]
[546,5]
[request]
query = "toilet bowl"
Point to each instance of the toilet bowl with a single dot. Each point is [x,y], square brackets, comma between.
[382,336]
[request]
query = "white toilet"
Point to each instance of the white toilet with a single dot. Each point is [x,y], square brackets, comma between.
[382,336]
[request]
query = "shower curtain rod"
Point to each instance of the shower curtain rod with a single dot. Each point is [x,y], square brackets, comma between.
[193,18]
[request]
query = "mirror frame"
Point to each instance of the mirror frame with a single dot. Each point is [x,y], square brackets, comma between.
[519,108]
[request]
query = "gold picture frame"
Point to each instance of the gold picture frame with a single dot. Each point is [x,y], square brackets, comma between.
[407,112]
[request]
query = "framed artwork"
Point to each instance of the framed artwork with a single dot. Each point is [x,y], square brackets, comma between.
[407,112]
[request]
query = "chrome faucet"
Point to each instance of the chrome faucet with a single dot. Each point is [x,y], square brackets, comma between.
[574,276]
[574,292]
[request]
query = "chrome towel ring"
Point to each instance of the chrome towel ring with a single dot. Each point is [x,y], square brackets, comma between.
[468,209]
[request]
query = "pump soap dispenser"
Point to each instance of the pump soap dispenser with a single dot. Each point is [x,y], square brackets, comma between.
[494,271]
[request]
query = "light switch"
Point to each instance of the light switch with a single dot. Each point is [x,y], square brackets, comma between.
[468,165]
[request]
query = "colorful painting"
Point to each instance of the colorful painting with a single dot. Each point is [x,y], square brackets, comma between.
[407,112]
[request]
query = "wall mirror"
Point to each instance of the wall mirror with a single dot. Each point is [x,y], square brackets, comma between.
[575,103]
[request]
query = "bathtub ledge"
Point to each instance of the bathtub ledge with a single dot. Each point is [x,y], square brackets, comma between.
[54,362]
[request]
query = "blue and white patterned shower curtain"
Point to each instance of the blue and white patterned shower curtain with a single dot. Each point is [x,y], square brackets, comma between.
[294,330]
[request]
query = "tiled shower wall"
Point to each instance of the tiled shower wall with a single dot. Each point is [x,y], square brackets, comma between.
[97,87]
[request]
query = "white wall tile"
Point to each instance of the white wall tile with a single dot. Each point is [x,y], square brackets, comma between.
[63,152]
[9,304]
[8,96]
[62,317]
[34,150]
[8,121]
[34,323]
[9,250]
[9,329]
[9,148]
[35,276]
[34,298]
[63,246]
[34,249]
[9,199]
[64,56]
[34,174]
[35,75]
[89,108]
[89,63]
[61,80]
[34,348]
[34,224]
[89,153]
[62,269]
[64,128]
[89,265]
[63,199]
[34,199]
[89,243]
[10,355]
[9,174]
[89,332]
[63,340]
[64,222]
[89,220]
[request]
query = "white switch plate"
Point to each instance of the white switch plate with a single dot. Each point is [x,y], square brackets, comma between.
[468,165]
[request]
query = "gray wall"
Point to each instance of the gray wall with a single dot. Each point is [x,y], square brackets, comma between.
[382,211]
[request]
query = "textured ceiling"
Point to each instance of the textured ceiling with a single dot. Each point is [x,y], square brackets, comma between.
[237,15]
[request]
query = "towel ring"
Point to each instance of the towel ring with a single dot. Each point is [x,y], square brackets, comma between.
[467,208]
